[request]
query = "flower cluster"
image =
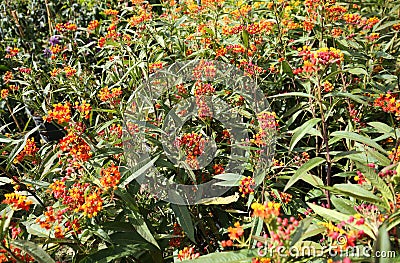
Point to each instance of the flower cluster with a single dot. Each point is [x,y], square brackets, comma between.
[389,103]
[314,61]
[110,177]
[105,94]
[68,26]
[30,149]
[267,211]
[61,113]
[246,186]
[193,144]
[187,253]
[17,201]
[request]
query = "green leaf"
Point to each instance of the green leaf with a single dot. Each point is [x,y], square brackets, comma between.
[303,170]
[115,252]
[184,219]
[382,245]
[300,230]
[139,169]
[312,179]
[219,200]
[356,191]
[358,138]
[357,71]
[354,97]
[136,218]
[376,181]
[394,220]
[32,249]
[240,256]
[245,38]
[343,205]
[299,132]
[294,94]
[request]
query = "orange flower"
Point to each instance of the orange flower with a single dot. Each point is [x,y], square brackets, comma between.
[18,201]
[60,112]
[57,189]
[110,177]
[328,87]
[12,52]
[110,12]
[7,77]
[352,18]
[218,169]
[246,186]
[4,93]
[105,94]
[84,108]
[69,71]
[154,66]
[93,25]
[396,27]
[30,149]
[236,232]
[267,211]
[187,253]
[93,204]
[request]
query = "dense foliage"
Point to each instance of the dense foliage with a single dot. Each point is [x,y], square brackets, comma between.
[69,72]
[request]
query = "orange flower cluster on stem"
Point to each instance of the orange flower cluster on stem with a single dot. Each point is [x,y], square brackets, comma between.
[266,211]
[315,61]
[12,52]
[187,253]
[246,186]
[84,108]
[143,14]
[110,177]
[389,103]
[60,27]
[19,255]
[93,25]
[193,144]
[30,149]
[61,113]
[17,201]
[75,146]
[235,232]
[105,94]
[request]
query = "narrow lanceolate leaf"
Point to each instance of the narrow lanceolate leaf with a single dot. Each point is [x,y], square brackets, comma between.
[302,171]
[34,250]
[382,245]
[376,181]
[343,205]
[358,138]
[241,256]
[357,192]
[394,220]
[336,216]
[183,215]
[136,218]
[300,230]
[111,254]
[139,170]
[301,131]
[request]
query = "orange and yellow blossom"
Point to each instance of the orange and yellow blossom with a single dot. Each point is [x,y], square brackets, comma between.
[60,112]
[110,177]
[236,232]
[17,201]
[266,211]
